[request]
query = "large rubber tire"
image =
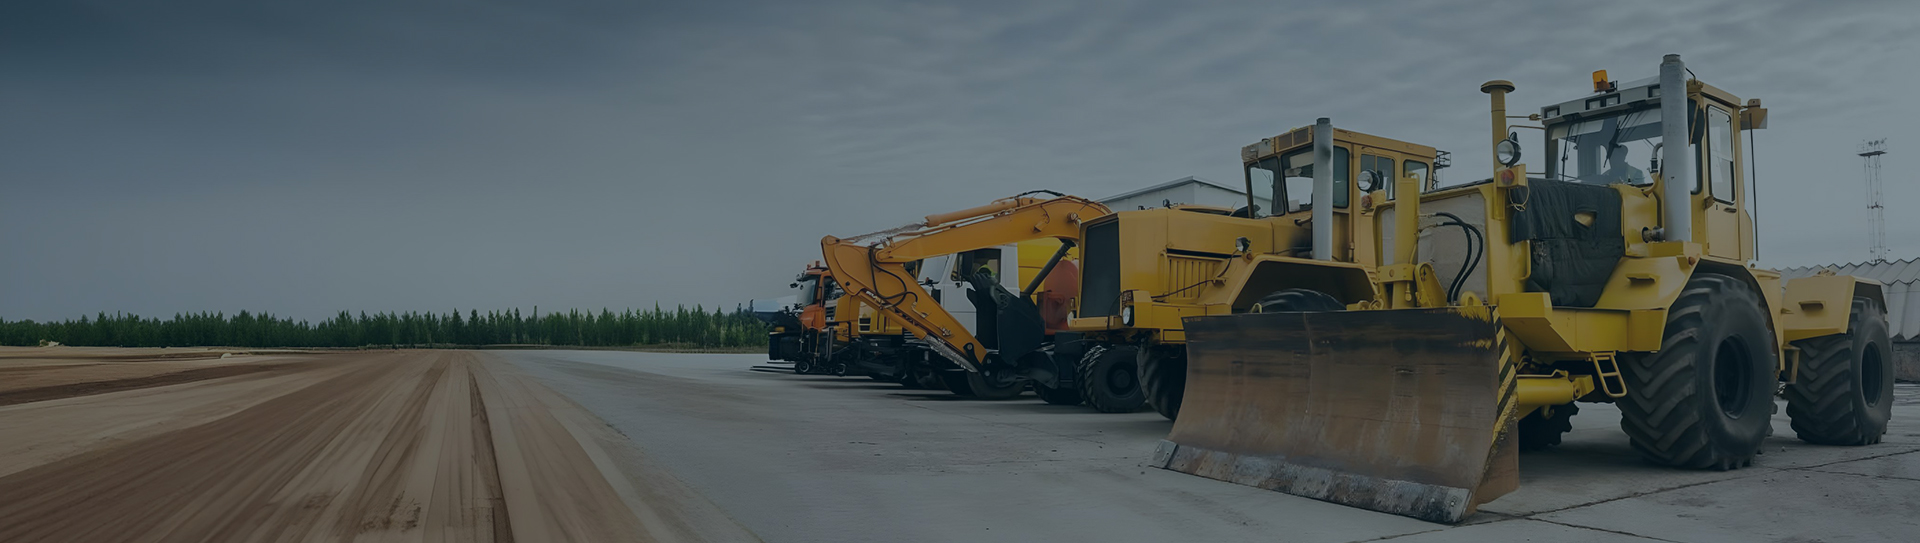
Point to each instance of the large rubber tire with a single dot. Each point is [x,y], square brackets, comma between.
[1297,299]
[1705,401]
[803,366]
[1539,433]
[1057,396]
[1163,373]
[1844,393]
[987,387]
[1110,379]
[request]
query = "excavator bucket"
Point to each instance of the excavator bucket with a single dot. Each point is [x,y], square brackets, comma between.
[1400,411]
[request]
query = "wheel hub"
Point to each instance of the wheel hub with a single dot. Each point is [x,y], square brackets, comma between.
[1872,370]
[1120,380]
[1731,372]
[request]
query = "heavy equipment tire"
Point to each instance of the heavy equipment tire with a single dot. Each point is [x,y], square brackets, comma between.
[1844,393]
[1706,399]
[1538,433]
[803,366]
[1110,379]
[1163,375]
[1057,396]
[1297,299]
[956,382]
[990,387]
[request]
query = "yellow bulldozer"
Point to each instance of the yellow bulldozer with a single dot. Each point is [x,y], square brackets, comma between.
[1143,271]
[1621,275]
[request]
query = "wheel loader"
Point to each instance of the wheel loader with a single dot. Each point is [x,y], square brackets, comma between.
[1143,271]
[982,320]
[1622,275]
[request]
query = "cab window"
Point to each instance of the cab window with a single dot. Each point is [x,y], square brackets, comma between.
[1262,176]
[1297,169]
[976,262]
[1720,154]
[1418,170]
[1382,168]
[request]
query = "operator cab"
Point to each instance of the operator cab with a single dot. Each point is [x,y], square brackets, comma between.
[1279,180]
[1614,137]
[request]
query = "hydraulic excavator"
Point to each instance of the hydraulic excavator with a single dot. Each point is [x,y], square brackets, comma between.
[1622,275]
[1010,345]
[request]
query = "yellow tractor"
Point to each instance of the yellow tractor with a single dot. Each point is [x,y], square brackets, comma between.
[1143,271]
[1621,275]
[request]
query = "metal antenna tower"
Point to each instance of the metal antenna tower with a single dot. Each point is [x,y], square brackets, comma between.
[1870,151]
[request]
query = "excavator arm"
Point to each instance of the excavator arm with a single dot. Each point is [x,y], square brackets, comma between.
[872,268]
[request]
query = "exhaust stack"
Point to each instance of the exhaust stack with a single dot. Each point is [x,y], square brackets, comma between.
[1323,189]
[1676,200]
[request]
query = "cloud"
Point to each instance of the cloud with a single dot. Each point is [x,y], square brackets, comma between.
[382,155]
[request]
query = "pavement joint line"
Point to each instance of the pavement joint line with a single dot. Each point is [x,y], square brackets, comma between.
[1748,473]
[1396,536]
[1896,477]
[1616,532]
[1896,453]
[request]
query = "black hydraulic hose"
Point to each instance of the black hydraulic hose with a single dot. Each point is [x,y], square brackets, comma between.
[1065,245]
[1473,256]
[874,264]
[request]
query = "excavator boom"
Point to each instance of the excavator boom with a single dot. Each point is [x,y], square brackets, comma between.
[873,267]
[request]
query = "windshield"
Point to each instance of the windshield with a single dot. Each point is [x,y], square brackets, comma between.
[1608,150]
[1260,176]
[1297,189]
[807,290]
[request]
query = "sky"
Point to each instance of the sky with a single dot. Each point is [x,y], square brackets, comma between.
[304,158]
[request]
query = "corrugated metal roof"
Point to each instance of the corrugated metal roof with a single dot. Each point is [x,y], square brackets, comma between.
[1902,278]
[1171,184]
[1897,271]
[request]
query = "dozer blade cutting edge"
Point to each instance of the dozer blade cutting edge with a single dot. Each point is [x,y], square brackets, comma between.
[1399,411]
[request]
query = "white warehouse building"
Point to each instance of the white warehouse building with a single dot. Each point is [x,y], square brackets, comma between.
[1185,190]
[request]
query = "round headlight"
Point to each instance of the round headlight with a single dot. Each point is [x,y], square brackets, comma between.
[1507,152]
[1126,316]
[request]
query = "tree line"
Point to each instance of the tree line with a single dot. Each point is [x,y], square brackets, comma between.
[679,327]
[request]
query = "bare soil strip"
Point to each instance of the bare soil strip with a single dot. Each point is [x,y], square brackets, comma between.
[387,446]
[101,387]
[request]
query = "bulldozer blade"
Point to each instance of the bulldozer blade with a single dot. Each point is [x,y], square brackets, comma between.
[1400,411]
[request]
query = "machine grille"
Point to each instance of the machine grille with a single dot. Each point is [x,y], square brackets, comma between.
[1100,270]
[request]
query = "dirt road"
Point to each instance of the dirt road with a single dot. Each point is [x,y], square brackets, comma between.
[150,445]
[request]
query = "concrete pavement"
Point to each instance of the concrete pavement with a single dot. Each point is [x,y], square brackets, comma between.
[829,459]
